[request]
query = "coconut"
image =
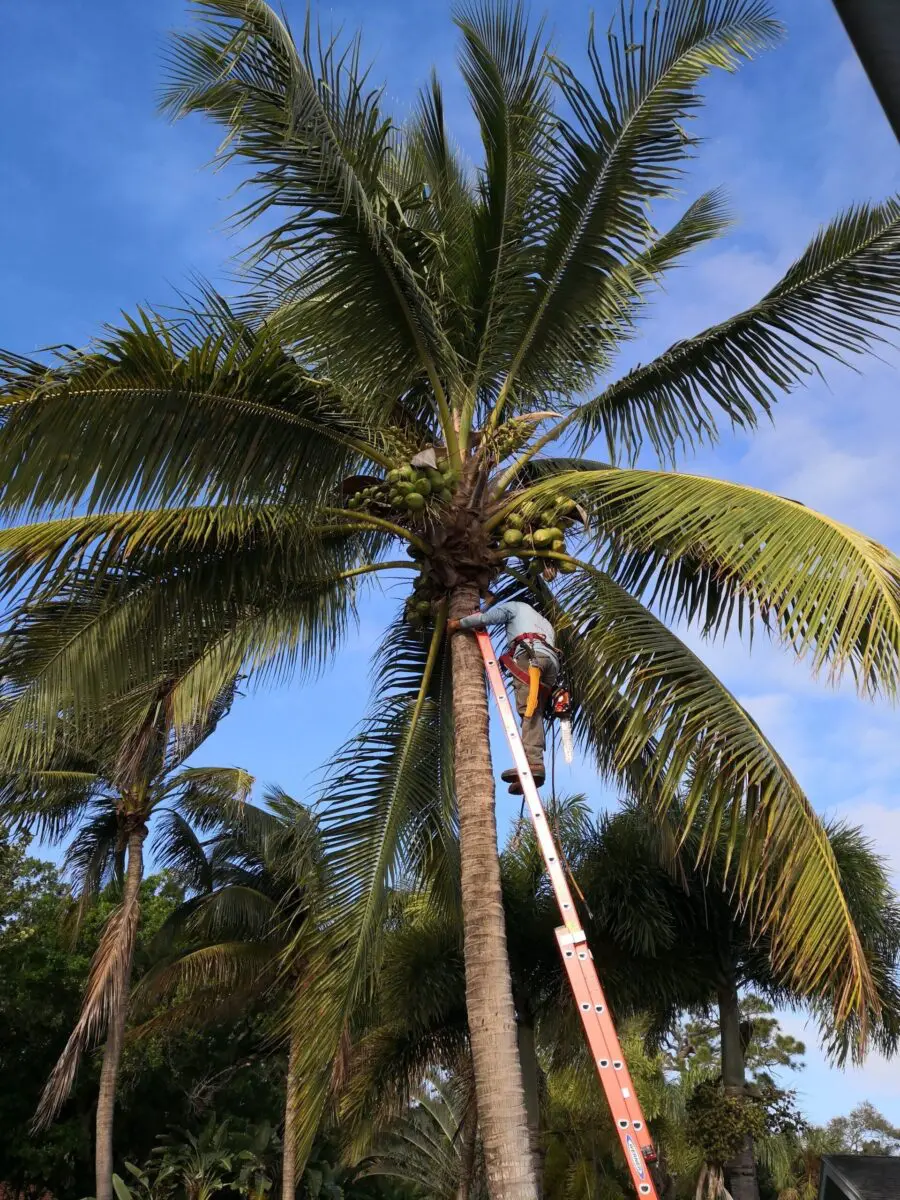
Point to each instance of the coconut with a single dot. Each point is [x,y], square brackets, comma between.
[543,538]
[423,487]
[513,537]
[514,521]
[415,501]
[444,495]
[559,545]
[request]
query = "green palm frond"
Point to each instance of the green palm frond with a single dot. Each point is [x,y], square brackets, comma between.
[49,802]
[784,867]
[830,593]
[309,124]
[94,855]
[612,157]
[505,68]
[835,301]
[380,793]
[182,852]
[876,913]
[196,620]
[236,966]
[150,418]
[424,1146]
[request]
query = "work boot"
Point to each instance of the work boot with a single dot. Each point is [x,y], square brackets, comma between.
[515,788]
[510,775]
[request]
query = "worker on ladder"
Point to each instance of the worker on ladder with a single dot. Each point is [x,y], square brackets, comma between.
[533,662]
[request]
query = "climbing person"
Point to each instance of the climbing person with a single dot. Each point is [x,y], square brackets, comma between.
[533,662]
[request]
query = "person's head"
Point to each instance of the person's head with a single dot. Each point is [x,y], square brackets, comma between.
[488,599]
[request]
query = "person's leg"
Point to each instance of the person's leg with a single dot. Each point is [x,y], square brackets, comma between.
[533,727]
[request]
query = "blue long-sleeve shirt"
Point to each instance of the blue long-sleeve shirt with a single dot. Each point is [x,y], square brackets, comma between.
[518,618]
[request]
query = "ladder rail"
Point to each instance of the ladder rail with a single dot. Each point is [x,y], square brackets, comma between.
[577,959]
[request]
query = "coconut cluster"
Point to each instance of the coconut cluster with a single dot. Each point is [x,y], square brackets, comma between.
[538,528]
[408,490]
[413,496]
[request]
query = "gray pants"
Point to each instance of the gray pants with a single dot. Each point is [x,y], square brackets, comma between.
[533,727]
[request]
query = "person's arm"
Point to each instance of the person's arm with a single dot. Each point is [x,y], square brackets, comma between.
[497,614]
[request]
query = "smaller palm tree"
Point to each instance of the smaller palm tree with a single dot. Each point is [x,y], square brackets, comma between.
[102,796]
[434,1144]
[253,883]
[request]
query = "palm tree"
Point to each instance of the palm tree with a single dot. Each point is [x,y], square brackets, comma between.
[254,882]
[408,368]
[708,950]
[105,794]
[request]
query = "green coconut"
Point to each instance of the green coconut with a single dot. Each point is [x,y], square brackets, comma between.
[393,476]
[444,495]
[404,487]
[415,501]
[353,502]
[543,538]
[423,607]
[557,533]
[407,471]
[513,537]
[567,568]
[423,487]
[559,545]
[514,521]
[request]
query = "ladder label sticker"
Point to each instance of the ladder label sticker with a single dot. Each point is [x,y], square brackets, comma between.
[636,1157]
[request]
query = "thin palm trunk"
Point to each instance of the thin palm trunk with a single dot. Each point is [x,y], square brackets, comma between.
[740,1173]
[289,1150]
[531,1079]
[492,1018]
[469,1136]
[112,1054]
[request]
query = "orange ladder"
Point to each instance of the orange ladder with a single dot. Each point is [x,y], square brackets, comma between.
[578,960]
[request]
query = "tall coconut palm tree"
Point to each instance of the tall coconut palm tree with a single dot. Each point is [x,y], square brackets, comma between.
[254,883]
[421,361]
[104,795]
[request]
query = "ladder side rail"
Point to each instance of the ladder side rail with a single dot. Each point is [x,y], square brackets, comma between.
[577,959]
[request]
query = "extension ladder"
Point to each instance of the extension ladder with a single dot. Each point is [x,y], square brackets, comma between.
[578,960]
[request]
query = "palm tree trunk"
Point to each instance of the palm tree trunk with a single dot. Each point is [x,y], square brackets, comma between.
[289,1141]
[492,1018]
[115,1037]
[740,1173]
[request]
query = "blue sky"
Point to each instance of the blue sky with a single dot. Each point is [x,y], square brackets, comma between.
[103,205]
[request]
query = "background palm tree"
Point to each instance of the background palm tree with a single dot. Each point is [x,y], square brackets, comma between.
[417,336]
[253,883]
[105,794]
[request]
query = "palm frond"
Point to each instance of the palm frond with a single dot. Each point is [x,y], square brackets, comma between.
[505,69]
[381,790]
[310,125]
[835,301]
[194,621]
[707,549]
[614,155]
[180,851]
[106,990]
[152,417]
[711,752]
